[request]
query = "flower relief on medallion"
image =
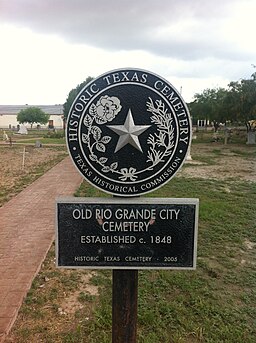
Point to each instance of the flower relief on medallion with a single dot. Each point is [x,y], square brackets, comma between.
[161,143]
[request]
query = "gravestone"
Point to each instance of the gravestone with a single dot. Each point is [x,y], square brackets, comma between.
[23,130]
[38,144]
[5,136]
[251,137]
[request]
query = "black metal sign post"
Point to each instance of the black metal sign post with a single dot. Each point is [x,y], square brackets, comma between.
[128,133]
[126,235]
[124,306]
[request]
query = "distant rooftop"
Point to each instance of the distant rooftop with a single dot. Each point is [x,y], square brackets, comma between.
[15,109]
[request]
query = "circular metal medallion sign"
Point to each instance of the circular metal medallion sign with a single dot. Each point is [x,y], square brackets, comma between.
[128,132]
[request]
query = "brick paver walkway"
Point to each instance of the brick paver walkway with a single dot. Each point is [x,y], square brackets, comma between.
[27,225]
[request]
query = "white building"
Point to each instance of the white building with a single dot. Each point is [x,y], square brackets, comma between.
[8,116]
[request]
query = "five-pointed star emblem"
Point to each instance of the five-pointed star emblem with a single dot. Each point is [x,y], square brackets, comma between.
[128,132]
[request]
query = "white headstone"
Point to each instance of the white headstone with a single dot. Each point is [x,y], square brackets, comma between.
[5,136]
[23,130]
[251,137]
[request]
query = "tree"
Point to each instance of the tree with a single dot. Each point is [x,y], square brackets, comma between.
[73,94]
[241,100]
[32,115]
[237,103]
[210,105]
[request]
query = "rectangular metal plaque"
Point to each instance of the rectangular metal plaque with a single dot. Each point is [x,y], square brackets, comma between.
[148,233]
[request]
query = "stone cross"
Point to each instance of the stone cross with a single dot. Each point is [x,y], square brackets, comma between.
[24,152]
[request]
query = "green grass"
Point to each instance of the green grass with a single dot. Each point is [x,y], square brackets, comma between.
[44,136]
[243,153]
[209,160]
[215,303]
[43,141]
[86,190]
[207,136]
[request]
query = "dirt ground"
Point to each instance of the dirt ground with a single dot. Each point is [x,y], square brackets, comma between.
[19,167]
[208,161]
[230,161]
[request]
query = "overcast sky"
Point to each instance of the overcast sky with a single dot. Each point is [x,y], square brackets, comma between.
[47,47]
